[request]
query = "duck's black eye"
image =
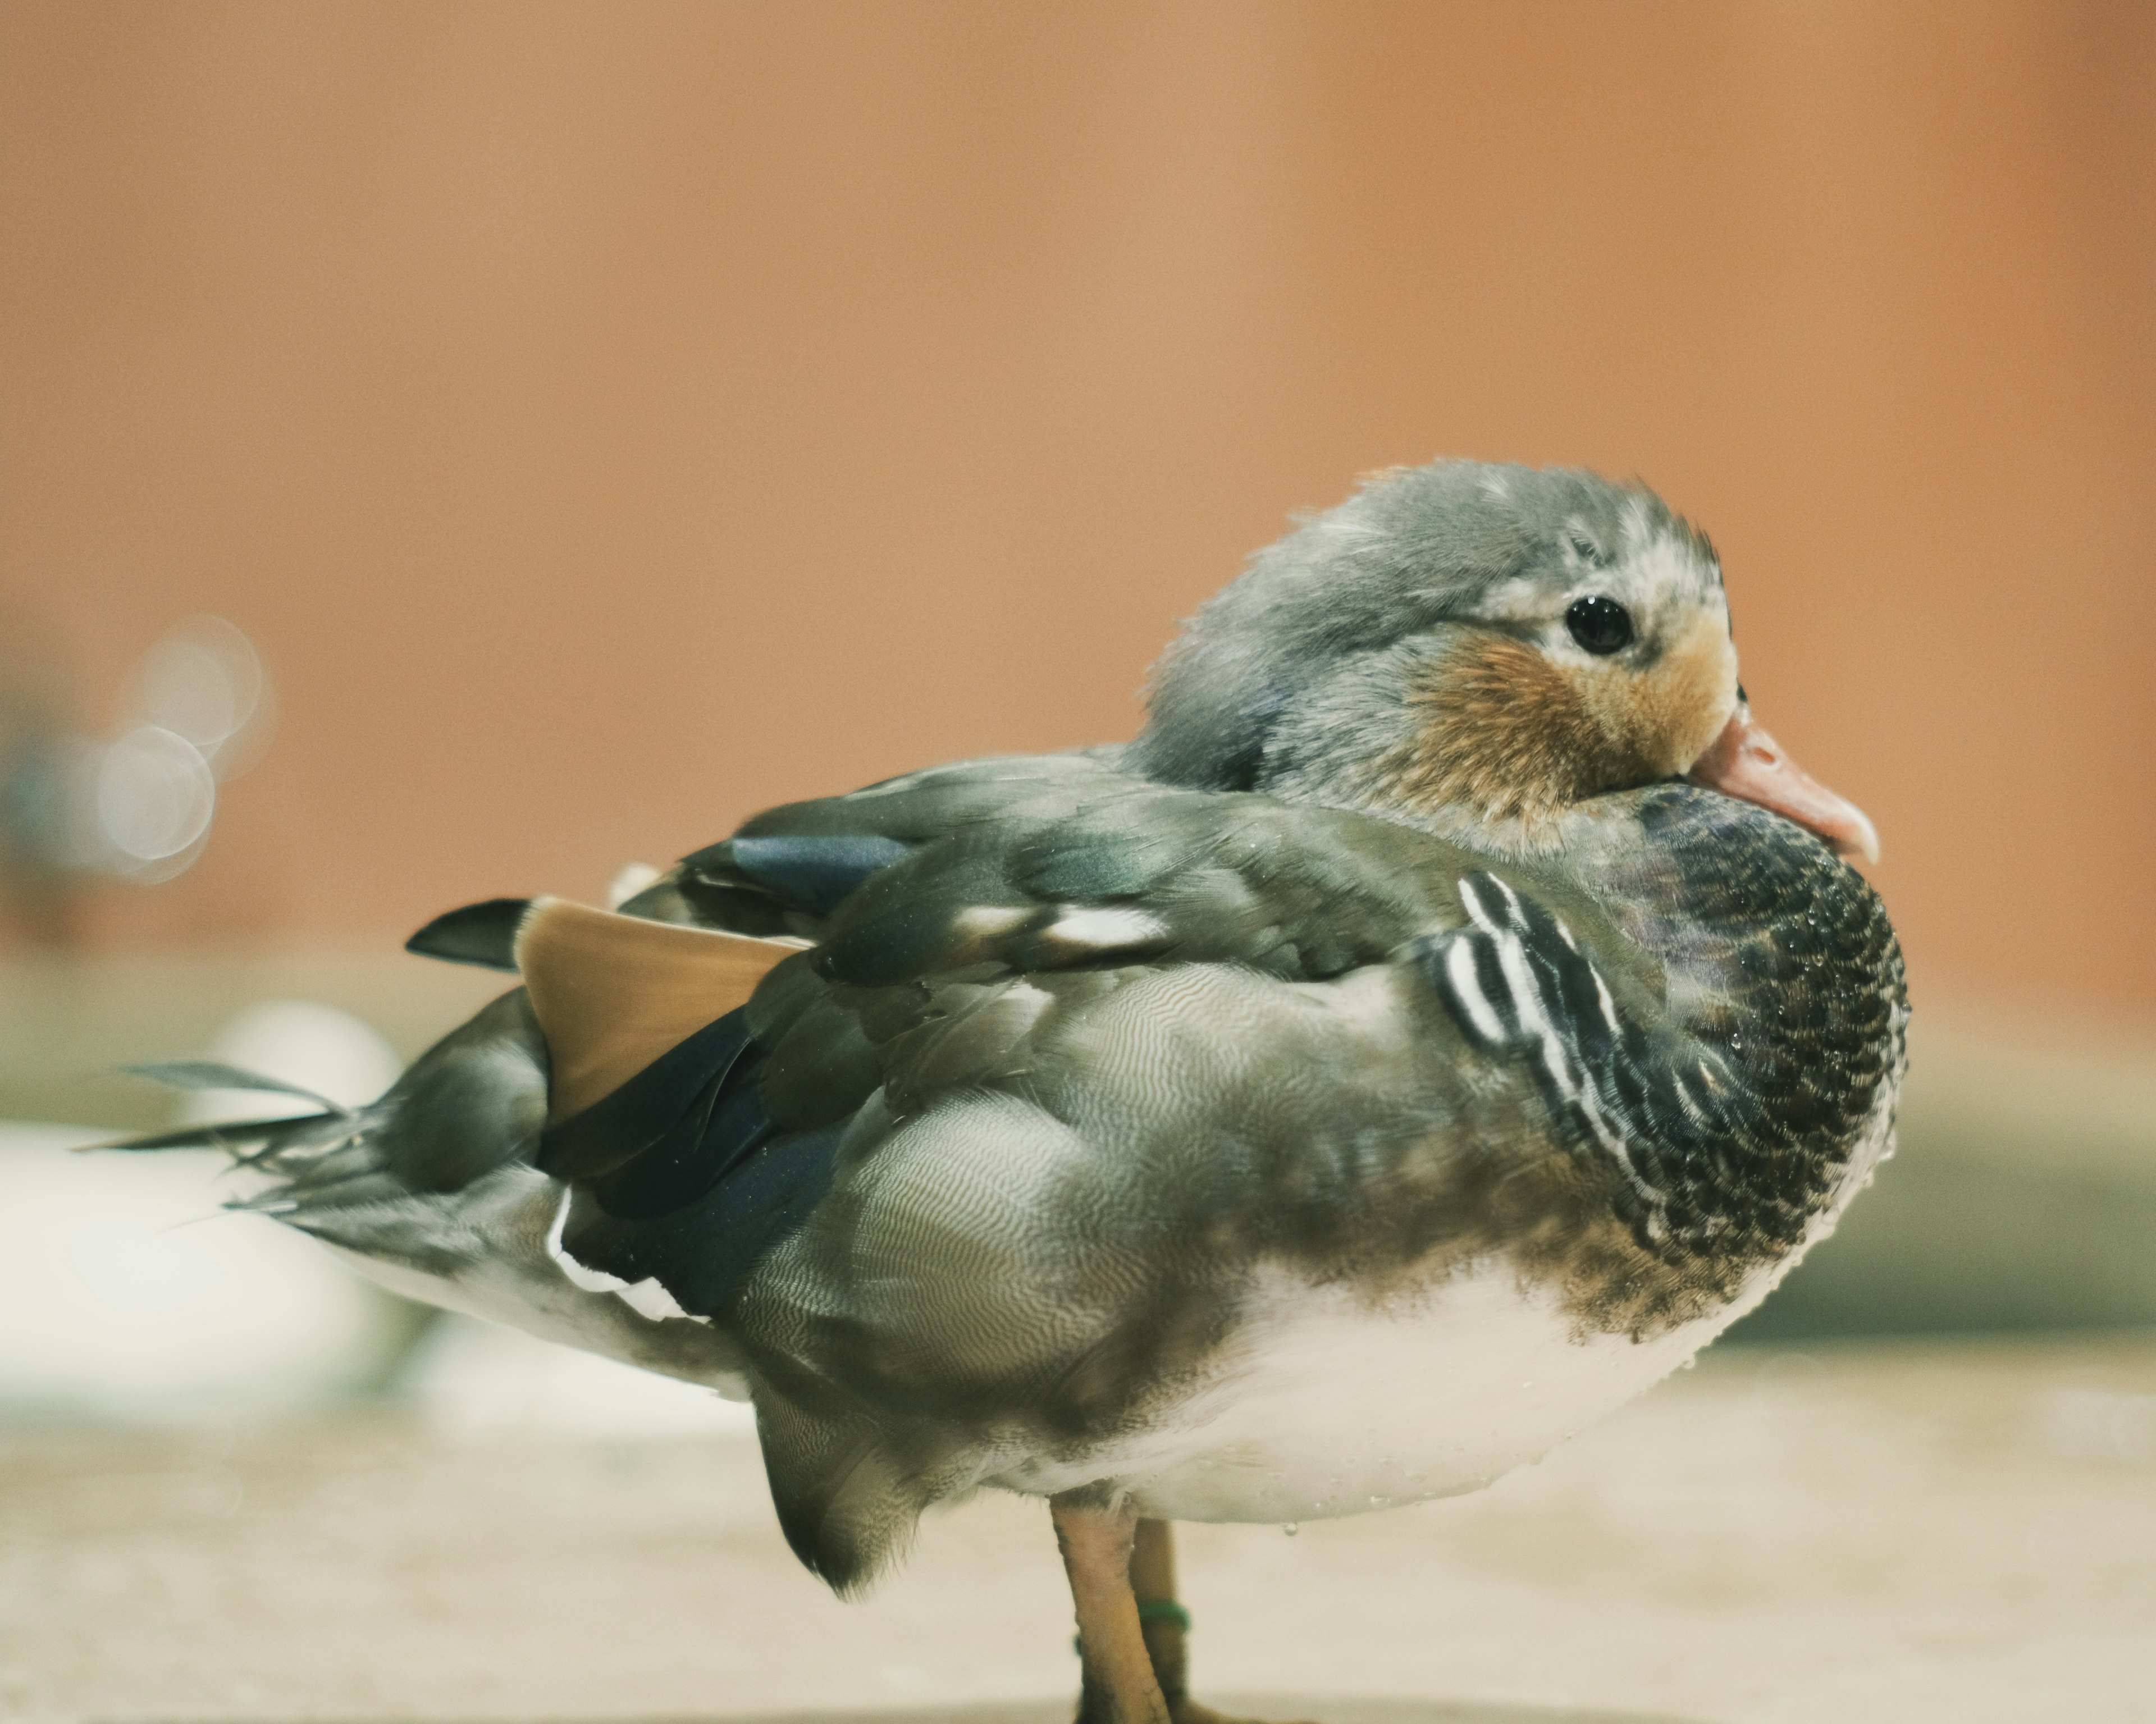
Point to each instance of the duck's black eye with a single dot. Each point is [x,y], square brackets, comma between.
[1601,625]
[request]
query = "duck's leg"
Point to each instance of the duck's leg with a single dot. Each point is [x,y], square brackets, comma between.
[1166,1624]
[1161,1618]
[1133,1634]
[1097,1542]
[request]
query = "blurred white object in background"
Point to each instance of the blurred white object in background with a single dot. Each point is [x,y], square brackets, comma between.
[151,797]
[126,1294]
[205,682]
[199,711]
[631,879]
[119,1302]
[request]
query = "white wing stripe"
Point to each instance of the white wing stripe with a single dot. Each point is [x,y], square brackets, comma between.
[1467,988]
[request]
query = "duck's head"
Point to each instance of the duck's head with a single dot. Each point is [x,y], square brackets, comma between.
[1476,649]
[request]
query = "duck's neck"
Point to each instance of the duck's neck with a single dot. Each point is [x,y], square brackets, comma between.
[1540,837]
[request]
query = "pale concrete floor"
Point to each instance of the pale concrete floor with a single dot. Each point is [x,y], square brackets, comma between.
[1882,1531]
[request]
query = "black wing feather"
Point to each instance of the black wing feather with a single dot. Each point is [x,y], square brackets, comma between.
[483,934]
[813,874]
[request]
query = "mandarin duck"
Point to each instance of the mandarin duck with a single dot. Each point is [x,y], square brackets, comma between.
[1446,1017]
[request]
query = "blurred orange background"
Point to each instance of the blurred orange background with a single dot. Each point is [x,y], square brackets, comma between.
[611,420]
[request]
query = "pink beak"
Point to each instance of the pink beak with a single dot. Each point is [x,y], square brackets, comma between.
[1745,762]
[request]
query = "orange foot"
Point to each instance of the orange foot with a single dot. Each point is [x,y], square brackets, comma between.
[1189,1712]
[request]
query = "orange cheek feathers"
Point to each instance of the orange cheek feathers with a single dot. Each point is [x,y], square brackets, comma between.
[1663,718]
[1512,734]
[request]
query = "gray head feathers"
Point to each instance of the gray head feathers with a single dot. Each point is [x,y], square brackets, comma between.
[1457,542]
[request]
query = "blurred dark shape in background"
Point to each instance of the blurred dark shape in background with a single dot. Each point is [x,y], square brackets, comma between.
[36,699]
[136,805]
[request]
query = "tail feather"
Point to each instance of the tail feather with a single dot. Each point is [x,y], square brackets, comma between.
[225,1134]
[431,1191]
[216,1074]
[275,1133]
[482,934]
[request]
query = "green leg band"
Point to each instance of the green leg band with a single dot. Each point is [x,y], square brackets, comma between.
[1149,1610]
